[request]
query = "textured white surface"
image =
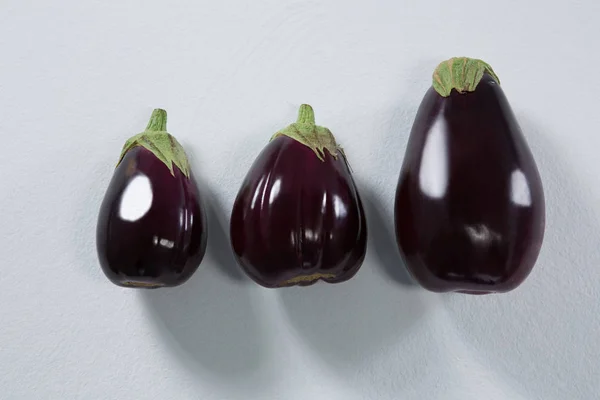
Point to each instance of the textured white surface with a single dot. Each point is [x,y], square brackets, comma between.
[78,78]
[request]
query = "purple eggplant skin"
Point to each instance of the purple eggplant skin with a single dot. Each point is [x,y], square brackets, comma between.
[298,219]
[469,208]
[151,229]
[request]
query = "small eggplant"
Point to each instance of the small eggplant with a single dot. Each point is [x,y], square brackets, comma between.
[151,230]
[298,217]
[469,209]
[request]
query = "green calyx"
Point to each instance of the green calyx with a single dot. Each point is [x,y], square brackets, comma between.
[462,74]
[157,140]
[317,138]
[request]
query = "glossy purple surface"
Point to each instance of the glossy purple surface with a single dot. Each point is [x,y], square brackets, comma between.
[297,216]
[469,204]
[151,230]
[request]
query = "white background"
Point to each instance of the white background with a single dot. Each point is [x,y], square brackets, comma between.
[77,78]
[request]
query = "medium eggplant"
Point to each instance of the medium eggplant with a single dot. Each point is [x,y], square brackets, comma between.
[151,229]
[298,217]
[469,208]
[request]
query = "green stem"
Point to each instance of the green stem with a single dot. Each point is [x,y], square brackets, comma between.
[306,115]
[462,74]
[158,121]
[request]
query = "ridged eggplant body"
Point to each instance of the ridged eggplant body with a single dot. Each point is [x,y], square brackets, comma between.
[298,217]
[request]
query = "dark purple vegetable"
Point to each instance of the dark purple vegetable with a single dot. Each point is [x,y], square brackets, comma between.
[469,204]
[298,217]
[152,226]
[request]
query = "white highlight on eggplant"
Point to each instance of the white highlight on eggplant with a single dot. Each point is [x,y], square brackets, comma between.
[275,191]
[519,189]
[433,175]
[311,235]
[185,218]
[256,193]
[137,199]
[169,244]
[265,188]
[339,208]
[481,234]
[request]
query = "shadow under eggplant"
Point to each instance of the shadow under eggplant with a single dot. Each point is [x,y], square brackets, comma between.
[382,239]
[219,245]
[348,323]
[210,322]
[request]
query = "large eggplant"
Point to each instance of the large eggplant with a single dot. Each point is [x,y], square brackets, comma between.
[469,208]
[151,229]
[298,217]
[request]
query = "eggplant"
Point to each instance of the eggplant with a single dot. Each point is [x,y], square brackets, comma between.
[151,229]
[469,209]
[298,217]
